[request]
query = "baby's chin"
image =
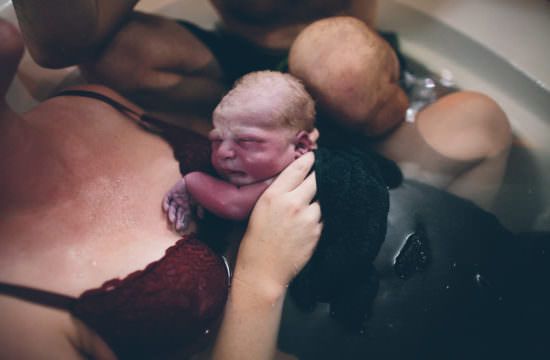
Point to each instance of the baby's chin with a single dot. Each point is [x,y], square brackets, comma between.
[242,179]
[239,179]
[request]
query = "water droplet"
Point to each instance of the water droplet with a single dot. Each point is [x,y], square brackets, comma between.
[413,256]
[447,287]
[207,331]
[410,116]
[429,83]
[480,280]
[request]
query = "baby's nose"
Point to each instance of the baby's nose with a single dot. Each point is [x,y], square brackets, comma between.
[226,151]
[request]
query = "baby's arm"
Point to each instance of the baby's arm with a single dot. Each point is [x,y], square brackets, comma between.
[218,196]
[223,198]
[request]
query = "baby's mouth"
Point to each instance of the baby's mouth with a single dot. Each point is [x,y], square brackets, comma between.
[236,173]
[231,172]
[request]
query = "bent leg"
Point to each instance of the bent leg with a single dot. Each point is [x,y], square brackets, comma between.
[351,72]
[159,64]
[460,143]
[11,51]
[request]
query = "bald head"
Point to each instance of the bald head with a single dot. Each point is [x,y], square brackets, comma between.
[347,67]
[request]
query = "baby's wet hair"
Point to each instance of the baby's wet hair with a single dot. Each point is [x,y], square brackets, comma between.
[300,110]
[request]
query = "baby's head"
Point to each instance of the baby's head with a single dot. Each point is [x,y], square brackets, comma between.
[265,122]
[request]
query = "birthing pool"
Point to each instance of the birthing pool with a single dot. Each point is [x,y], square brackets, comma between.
[451,36]
[441,34]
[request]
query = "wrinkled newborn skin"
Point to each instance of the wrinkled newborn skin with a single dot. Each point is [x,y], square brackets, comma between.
[251,144]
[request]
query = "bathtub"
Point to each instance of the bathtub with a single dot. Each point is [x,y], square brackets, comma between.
[463,38]
[497,47]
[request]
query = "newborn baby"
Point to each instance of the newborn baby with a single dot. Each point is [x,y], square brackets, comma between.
[264,123]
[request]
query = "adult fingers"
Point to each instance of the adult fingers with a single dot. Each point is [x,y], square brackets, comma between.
[315,210]
[305,192]
[294,174]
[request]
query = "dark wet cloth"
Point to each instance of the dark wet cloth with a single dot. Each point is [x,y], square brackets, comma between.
[353,195]
[464,288]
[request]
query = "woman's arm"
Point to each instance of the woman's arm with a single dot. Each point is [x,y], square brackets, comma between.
[61,33]
[283,231]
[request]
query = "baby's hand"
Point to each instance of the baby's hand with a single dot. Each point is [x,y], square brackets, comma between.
[177,205]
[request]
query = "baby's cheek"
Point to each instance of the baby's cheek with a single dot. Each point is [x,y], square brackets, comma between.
[260,167]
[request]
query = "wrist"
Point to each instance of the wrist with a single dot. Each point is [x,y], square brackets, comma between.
[264,289]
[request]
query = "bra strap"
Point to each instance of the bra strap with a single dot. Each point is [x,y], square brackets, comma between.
[37,296]
[146,120]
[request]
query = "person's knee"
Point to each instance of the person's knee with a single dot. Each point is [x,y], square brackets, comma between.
[346,66]
[11,51]
[466,125]
[488,124]
[11,42]
[494,124]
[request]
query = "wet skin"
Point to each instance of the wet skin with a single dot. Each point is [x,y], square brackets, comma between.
[250,146]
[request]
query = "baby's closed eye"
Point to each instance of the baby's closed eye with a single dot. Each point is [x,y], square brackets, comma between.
[248,142]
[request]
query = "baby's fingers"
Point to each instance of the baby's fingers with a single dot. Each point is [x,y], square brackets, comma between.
[180,220]
[172,210]
[166,202]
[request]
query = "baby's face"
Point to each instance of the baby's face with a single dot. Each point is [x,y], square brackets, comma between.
[249,145]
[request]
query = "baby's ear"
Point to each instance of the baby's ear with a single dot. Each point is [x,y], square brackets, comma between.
[305,141]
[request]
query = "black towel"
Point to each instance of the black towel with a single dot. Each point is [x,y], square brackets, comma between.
[352,189]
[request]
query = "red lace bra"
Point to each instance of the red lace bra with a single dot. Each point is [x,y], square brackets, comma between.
[174,304]
[170,307]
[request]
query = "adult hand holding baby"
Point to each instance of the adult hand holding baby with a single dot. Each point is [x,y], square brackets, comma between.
[282,234]
[284,224]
